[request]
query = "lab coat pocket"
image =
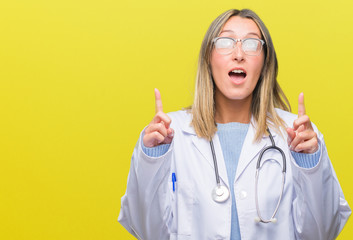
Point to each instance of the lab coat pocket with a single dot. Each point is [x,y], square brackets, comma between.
[252,229]
[172,221]
[182,209]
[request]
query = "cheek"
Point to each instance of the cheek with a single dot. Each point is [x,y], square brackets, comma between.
[217,65]
[262,62]
[258,65]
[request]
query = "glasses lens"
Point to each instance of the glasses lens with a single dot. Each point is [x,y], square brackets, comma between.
[252,47]
[224,45]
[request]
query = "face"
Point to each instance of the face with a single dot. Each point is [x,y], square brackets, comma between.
[230,83]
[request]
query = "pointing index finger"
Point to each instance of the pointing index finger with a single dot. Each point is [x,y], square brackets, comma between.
[301,106]
[159,106]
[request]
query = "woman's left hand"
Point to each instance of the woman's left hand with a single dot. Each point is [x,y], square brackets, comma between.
[302,138]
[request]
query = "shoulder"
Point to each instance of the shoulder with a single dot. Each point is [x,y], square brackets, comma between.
[286,116]
[180,115]
[181,119]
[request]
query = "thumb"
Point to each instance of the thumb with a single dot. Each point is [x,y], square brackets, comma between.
[301,106]
[170,132]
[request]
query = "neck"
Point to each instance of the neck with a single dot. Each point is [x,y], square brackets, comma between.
[228,110]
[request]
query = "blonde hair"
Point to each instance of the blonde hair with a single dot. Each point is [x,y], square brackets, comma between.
[267,94]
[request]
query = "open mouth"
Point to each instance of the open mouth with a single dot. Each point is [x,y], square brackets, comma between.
[237,75]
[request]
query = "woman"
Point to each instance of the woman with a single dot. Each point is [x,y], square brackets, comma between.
[239,109]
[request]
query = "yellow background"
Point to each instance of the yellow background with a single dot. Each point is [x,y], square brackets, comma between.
[76,88]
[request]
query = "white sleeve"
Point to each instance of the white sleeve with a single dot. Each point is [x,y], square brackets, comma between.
[319,209]
[145,207]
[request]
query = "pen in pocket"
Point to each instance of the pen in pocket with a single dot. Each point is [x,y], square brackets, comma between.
[173,180]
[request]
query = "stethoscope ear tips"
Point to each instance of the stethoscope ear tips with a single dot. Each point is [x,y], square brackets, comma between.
[274,220]
[257,219]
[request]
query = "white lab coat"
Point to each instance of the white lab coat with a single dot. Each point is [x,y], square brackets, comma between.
[313,206]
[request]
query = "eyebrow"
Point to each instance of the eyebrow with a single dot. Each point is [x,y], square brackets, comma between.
[250,33]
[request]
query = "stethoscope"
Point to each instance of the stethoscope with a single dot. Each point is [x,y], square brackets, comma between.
[221,193]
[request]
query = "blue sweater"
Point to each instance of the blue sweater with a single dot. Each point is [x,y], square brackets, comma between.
[231,137]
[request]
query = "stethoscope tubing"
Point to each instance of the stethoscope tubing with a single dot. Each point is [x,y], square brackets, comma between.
[221,193]
[215,163]
[260,218]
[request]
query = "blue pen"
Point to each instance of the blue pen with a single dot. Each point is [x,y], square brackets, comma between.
[173,180]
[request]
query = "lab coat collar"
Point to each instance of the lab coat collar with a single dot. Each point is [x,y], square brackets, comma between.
[186,127]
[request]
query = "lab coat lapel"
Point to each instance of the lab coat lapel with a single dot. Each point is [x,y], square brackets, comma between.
[203,146]
[250,149]
[220,160]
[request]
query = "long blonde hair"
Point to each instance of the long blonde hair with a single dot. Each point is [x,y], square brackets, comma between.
[267,94]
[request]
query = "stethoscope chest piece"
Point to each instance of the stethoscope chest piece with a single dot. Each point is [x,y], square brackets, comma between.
[220,193]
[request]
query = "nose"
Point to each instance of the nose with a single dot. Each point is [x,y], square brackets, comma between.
[238,54]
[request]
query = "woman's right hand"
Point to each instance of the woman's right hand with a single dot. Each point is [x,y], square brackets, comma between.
[158,131]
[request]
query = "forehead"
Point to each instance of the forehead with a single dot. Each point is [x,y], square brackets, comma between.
[240,27]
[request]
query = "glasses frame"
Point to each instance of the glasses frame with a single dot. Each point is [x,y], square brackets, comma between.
[235,40]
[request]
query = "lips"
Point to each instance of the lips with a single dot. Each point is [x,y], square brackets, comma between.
[237,75]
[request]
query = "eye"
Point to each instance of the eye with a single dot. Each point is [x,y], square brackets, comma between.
[224,43]
[250,44]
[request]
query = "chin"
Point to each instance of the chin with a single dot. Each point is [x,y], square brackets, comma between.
[238,95]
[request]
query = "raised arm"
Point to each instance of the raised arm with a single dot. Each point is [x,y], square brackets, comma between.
[145,207]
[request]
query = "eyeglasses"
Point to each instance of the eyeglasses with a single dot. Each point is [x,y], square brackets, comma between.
[250,46]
